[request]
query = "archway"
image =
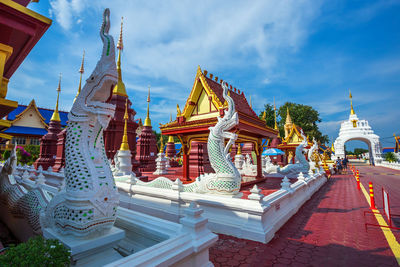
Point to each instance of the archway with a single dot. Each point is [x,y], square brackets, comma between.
[354,129]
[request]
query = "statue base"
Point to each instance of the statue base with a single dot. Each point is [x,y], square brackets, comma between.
[96,250]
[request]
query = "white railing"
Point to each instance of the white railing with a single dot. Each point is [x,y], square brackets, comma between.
[391,165]
[256,218]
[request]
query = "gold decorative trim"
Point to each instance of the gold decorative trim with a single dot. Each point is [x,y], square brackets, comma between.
[26,11]
[31,104]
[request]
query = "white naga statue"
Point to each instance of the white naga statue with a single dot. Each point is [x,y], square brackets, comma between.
[226,179]
[90,199]
[301,165]
[311,154]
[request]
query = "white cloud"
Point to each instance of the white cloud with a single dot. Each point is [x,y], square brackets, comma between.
[65,11]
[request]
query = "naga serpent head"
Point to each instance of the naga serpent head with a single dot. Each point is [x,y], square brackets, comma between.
[98,86]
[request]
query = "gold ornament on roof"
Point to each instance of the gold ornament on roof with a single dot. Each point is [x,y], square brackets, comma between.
[351,104]
[81,71]
[56,115]
[125,144]
[147,121]
[119,88]
[178,110]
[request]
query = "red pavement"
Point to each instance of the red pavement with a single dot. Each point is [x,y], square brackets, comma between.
[327,231]
[387,178]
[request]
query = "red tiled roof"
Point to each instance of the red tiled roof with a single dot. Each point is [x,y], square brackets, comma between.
[240,100]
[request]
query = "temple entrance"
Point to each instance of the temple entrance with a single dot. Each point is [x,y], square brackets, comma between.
[359,143]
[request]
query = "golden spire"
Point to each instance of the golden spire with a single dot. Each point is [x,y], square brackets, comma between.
[288,118]
[351,103]
[161,144]
[250,102]
[170,117]
[125,144]
[178,110]
[147,121]
[56,115]
[333,148]
[171,139]
[119,88]
[81,71]
[239,150]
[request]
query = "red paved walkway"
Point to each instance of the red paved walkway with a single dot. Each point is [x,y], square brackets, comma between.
[387,178]
[327,231]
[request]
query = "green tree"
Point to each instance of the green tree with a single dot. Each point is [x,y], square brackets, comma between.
[359,151]
[390,156]
[269,115]
[305,117]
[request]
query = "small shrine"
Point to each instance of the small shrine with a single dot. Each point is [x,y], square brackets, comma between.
[203,106]
[291,140]
[147,144]
[115,130]
[48,143]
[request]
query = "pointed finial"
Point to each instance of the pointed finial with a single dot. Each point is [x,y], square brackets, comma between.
[161,144]
[170,117]
[56,115]
[239,150]
[81,71]
[120,44]
[147,121]
[171,139]
[288,118]
[124,143]
[351,104]
[250,103]
[178,110]
[119,88]
[264,116]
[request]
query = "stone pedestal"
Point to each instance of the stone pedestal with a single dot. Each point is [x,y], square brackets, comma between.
[161,165]
[124,162]
[48,146]
[115,130]
[95,250]
[239,160]
[60,154]
[147,150]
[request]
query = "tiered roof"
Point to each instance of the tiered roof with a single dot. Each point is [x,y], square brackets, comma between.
[208,88]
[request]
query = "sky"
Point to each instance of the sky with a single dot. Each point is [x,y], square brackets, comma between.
[304,51]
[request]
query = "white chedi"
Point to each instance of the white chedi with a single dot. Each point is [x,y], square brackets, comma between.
[161,163]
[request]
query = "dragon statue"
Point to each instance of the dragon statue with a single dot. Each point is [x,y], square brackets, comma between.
[226,179]
[301,165]
[312,155]
[22,201]
[90,198]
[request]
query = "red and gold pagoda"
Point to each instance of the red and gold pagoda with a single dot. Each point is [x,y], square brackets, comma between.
[115,130]
[48,143]
[147,144]
[204,105]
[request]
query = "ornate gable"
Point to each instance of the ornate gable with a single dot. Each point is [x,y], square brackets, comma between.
[30,117]
[294,136]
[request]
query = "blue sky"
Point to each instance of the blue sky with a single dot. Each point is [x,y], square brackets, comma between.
[308,52]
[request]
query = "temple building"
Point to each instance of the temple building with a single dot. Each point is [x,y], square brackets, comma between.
[48,143]
[291,140]
[204,104]
[147,144]
[29,123]
[21,28]
[115,130]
